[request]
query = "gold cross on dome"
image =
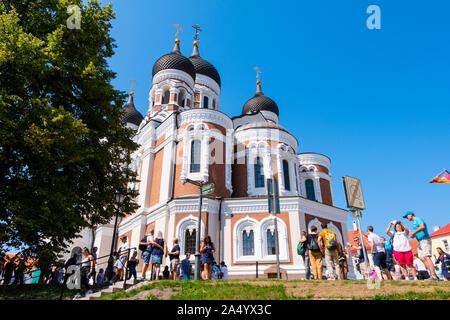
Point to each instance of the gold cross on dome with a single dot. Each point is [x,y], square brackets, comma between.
[133,83]
[178,30]
[257,73]
[197,30]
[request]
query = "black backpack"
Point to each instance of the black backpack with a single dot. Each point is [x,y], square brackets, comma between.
[313,243]
[143,247]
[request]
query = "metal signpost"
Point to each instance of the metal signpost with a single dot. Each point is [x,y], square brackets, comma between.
[355,201]
[274,207]
[204,189]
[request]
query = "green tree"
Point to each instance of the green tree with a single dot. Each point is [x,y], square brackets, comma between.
[63,145]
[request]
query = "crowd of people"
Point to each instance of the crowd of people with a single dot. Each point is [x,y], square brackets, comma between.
[391,259]
[153,249]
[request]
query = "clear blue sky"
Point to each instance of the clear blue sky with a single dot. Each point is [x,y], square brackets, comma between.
[375,101]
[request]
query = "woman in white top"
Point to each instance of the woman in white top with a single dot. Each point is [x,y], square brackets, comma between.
[87,266]
[402,248]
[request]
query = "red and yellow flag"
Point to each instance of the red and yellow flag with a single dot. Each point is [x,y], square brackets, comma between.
[444,177]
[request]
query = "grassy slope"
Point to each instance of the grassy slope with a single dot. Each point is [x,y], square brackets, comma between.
[285,290]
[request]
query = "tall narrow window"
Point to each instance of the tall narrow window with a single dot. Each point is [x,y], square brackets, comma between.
[166,96]
[287,182]
[189,241]
[248,243]
[310,193]
[195,156]
[205,102]
[259,173]
[270,242]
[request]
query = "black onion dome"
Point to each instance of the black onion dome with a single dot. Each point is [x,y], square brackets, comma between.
[174,60]
[131,114]
[204,67]
[260,102]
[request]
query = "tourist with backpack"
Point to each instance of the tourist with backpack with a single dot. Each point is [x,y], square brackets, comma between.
[402,248]
[302,250]
[145,245]
[329,245]
[315,255]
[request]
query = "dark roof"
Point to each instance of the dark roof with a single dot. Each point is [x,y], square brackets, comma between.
[131,114]
[260,102]
[204,67]
[174,60]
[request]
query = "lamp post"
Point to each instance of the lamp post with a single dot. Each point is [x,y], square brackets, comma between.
[111,259]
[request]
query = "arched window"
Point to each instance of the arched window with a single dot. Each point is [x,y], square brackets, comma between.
[259,173]
[310,193]
[270,242]
[166,96]
[205,102]
[287,182]
[181,99]
[189,241]
[248,243]
[195,156]
[78,252]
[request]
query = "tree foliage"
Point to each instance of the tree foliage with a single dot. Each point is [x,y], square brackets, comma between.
[62,142]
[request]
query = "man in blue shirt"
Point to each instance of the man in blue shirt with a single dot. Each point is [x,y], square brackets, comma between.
[420,232]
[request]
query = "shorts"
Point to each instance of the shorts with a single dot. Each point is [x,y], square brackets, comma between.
[424,248]
[174,264]
[120,263]
[390,265]
[156,258]
[146,256]
[379,260]
[404,257]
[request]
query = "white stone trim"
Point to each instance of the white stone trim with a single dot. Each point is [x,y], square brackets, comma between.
[208,82]
[247,224]
[314,158]
[267,134]
[205,115]
[201,132]
[189,223]
[173,74]
[253,150]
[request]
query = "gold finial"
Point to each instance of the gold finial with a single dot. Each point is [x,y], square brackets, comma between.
[178,33]
[257,75]
[197,30]
[132,86]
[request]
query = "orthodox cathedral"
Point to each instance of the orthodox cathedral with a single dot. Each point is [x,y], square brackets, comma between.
[186,137]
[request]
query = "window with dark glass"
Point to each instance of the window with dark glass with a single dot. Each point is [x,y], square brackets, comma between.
[189,241]
[195,156]
[270,242]
[205,102]
[310,194]
[259,173]
[166,97]
[287,182]
[248,243]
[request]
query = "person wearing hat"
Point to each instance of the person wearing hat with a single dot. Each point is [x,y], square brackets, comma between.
[420,232]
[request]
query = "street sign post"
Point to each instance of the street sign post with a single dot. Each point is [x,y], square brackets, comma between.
[274,207]
[355,201]
[208,188]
